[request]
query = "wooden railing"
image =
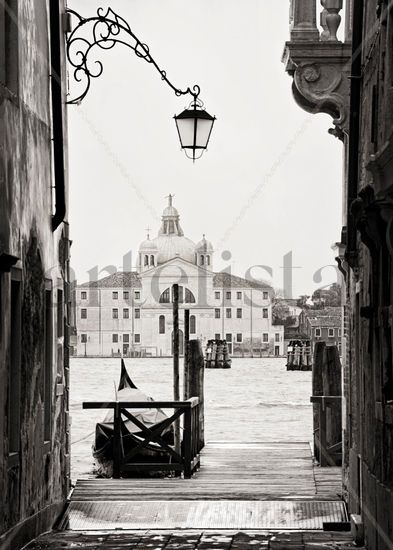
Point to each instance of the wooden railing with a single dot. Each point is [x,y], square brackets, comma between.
[185,460]
[327,433]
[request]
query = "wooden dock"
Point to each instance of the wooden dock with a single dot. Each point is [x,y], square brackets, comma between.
[231,471]
[239,486]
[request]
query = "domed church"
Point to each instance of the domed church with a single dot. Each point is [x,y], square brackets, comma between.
[130,313]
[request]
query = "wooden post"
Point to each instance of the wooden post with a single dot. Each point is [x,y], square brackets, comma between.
[176,386]
[187,444]
[116,441]
[331,380]
[186,370]
[196,385]
[317,390]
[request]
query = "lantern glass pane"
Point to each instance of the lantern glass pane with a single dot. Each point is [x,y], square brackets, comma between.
[204,128]
[185,127]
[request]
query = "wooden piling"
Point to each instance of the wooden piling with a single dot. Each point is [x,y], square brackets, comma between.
[317,389]
[331,380]
[176,385]
[186,370]
[195,386]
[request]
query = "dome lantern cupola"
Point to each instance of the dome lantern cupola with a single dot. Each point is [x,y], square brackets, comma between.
[204,254]
[170,220]
[148,253]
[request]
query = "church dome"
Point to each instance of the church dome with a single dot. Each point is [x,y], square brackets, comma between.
[204,246]
[174,246]
[148,246]
[170,212]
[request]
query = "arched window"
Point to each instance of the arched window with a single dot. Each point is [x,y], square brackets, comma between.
[192,324]
[202,260]
[185,296]
[207,260]
[146,260]
[189,297]
[152,260]
[165,297]
[161,324]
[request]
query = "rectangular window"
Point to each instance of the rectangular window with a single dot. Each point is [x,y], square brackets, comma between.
[115,338]
[265,337]
[14,407]
[126,313]
[331,332]
[217,295]
[137,295]
[228,338]
[239,337]
[126,338]
[239,295]
[265,313]
[217,336]
[137,313]
[83,313]
[228,295]
[239,313]
[217,313]
[228,313]
[265,295]
[137,338]
[317,332]
[115,313]
[115,295]
[84,338]
[83,295]
[277,337]
[126,295]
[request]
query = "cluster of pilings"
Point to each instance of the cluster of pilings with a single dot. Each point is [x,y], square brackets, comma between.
[217,355]
[299,355]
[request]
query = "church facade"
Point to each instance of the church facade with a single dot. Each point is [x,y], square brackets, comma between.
[130,313]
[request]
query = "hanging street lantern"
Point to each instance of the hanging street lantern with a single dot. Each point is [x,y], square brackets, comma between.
[194,126]
[105,30]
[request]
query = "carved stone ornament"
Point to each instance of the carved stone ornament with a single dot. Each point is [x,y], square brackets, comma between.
[321,83]
[324,88]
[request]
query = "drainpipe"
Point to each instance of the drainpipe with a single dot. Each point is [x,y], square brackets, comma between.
[354,126]
[57,115]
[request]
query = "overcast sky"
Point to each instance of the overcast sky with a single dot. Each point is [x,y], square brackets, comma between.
[271,180]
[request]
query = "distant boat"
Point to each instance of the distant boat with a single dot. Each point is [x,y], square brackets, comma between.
[131,434]
[217,355]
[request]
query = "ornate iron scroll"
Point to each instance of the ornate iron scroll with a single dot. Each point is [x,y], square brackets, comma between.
[105,31]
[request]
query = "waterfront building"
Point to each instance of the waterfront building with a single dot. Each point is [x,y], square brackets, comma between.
[350,78]
[34,271]
[322,325]
[130,313]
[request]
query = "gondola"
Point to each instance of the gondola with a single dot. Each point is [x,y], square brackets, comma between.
[131,434]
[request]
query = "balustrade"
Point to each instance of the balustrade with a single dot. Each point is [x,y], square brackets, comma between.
[303,19]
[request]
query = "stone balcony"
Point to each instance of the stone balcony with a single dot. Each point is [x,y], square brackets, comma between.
[319,62]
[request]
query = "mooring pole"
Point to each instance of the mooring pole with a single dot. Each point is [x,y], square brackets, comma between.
[186,372]
[176,385]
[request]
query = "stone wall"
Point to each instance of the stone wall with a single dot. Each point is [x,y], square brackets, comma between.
[34,426]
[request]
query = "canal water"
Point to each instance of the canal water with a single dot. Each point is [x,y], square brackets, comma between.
[255,400]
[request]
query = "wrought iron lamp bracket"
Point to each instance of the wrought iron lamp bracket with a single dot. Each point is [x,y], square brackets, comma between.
[104,31]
